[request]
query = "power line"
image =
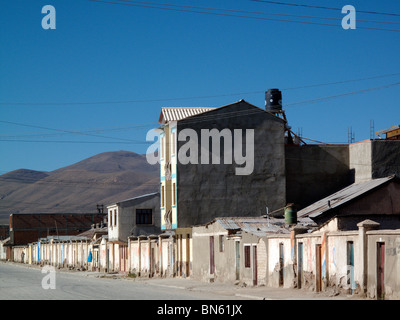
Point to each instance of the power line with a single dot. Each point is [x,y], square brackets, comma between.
[246,11]
[344,94]
[325,8]
[205,117]
[67,131]
[236,15]
[193,97]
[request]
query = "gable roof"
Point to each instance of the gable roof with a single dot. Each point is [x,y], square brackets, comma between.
[176,114]
[179,113]
[134,200]
[342,197]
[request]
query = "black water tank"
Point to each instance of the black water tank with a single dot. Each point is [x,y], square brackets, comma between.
[273,100]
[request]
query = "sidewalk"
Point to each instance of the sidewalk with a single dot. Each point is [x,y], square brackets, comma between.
[223,291]
[253,293]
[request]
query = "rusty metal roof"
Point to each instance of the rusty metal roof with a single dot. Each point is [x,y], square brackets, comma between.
[378,133]
[341,197]
[175,114]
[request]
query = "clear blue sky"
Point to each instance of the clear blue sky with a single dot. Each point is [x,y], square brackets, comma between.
[104,52]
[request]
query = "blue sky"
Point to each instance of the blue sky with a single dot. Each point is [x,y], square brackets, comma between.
[81,76]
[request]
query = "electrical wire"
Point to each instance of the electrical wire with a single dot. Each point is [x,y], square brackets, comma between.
[325,8]
[247,12]
[236,15]
[11,103]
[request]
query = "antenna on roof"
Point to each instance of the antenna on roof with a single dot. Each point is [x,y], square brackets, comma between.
[350,135]
[371,129]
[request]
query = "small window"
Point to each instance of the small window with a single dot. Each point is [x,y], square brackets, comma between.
[174,194]
[162,148]
[144,216]
[221,243]
[247,256]
[115,218]
[110,222]
[173,143]
[162,196]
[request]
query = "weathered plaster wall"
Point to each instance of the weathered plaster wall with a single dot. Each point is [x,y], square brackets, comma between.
[391,239]
[206,191]
[315,171]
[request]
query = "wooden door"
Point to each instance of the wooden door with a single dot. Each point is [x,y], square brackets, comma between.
[212,262]
[237,248]
[300,266]
[281,264]
[380,277]
[254,265]
[318,276]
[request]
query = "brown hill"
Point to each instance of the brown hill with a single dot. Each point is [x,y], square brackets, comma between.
[102,179]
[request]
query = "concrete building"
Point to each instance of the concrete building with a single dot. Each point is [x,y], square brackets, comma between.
[314,171]
[212,181]
[26,228]
[372,159]
[228,249]
[377,199]
[138,216]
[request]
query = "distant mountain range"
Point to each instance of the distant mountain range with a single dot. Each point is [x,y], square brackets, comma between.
[102,179]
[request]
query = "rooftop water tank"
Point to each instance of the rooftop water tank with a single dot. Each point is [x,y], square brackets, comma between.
[273,100]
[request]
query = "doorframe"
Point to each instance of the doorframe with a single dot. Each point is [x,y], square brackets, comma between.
[300,265]
[380,270]
[212,256]
[254,271]
[237,259]
[318,268]
[281,264]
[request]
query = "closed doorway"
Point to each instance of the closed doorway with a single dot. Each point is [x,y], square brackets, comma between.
[237,258]
[318,267]
[300,266]
[380,272]
[212,262]
[254,265]
[281,264]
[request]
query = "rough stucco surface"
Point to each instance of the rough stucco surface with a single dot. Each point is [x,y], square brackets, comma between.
[315,171]
[385,158]
[206,191]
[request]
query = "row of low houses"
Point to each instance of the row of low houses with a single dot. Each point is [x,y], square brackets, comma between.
[209,223]
[339,243]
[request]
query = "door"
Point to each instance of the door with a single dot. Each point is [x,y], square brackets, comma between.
[152,261]
[380,277]
[350,266]
[318,275]
[187,274]
[212,262]
[281,264]
[300,266]
[254,265]
[237,248]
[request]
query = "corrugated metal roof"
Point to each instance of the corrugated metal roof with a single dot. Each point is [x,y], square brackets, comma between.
[378,133]
[175,114]
[339,198]
[257,225]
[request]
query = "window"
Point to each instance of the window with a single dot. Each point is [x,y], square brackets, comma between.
[162,196]
[110,219]
[173,143]
[173,194]
[162,147]
[115,218]
[221,243]
[247,256]
[144,216]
